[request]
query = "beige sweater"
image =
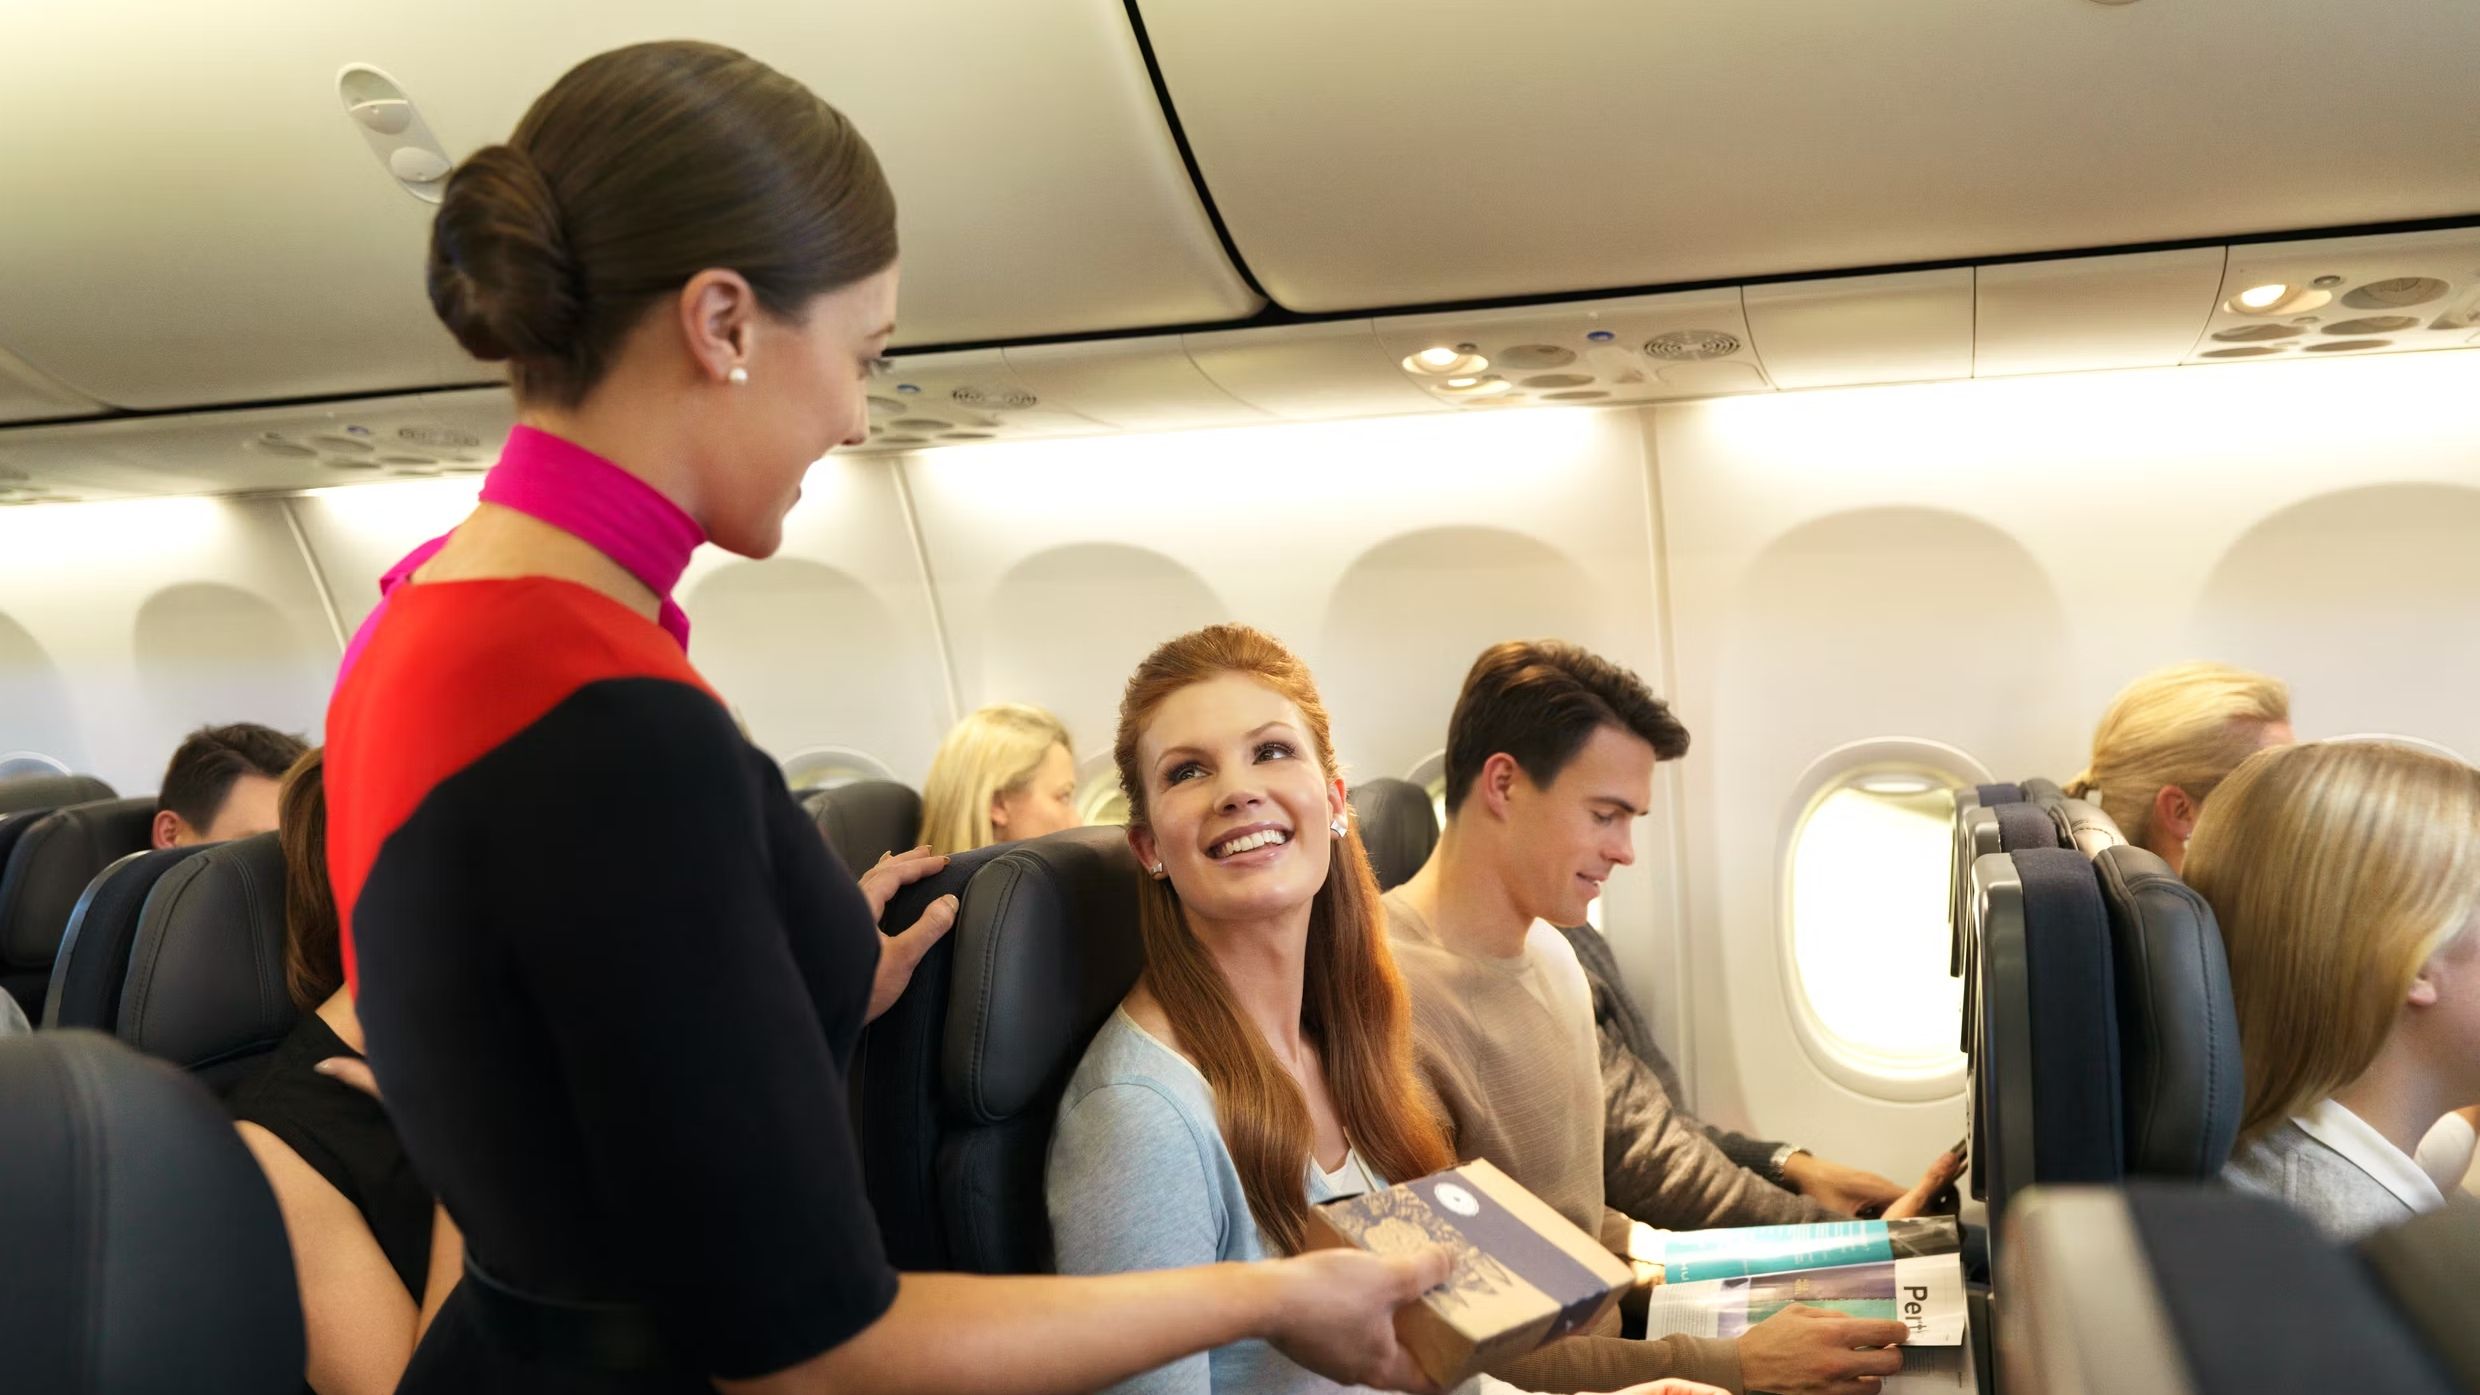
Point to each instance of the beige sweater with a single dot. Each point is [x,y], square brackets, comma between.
[1509,1048]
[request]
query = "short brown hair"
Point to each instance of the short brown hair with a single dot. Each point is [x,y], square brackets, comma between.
[1539,701]
[639,169]
[313,953]
[200,776]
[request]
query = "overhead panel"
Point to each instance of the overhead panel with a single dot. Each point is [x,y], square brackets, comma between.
[954,399]
[2136,310]
[262,448]
[1912,326]
[193,216]
[1144,384]
[1376,154]
[1589,353]
[29,394]
[2344,297]
[1309,372]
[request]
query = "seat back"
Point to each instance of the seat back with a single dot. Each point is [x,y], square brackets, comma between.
[1046,946]
[2187,1290]
[94,951]
[206,972]
[47,871]
[2178,1030]
[2430,1265]
[2045,1074]
[19,793]
[145,1252]
[866,820]
[1399,826]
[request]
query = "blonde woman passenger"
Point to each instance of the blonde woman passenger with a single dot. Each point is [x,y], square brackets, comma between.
[2169,738]
[1005,772]
[2346,878]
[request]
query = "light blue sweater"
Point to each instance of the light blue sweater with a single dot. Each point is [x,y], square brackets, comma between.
[1139,1178]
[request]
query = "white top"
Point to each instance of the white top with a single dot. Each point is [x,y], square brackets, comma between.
[2446,1154]
[2329,1123]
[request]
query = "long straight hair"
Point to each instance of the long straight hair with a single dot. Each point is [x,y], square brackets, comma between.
[1352,1008]
[992,752]
[313,957]
[2335,869]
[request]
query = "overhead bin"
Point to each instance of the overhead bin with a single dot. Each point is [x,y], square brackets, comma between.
[1133,384]
[29,394]
[1377,154]
[192,216]
[2395,293]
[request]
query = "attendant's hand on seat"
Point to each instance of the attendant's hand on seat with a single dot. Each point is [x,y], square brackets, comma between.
[899,955]
[1836,1187]
[1817,1351]
[1335,1313]
[1940,1176]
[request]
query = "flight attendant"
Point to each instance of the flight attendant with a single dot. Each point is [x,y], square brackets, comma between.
[610,978]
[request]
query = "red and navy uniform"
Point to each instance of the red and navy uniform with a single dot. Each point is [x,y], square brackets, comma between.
[611,979]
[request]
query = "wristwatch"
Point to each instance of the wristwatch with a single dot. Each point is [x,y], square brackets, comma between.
[1775,1164]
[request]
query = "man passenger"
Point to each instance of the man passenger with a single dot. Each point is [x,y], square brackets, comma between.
[222,784]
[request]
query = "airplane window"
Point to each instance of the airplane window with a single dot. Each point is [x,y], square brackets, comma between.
[826,767]
[30,763]
[1430,773]
[1098,797]
[1867,928]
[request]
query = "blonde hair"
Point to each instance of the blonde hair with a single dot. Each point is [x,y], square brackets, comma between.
[990,753]
[2336,869]
[2188,726]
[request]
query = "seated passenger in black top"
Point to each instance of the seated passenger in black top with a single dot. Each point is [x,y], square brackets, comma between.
[221,784]
[374,1255]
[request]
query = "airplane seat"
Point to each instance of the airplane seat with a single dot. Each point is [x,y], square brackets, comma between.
[1399,826]
[2431,1267]
[894,1090]
[146,1255]
[20,793]
[2196,1290]
[2046,1075]
[206,971]
[2178,1031]
[867,819]
[93,961]
[1046,945]
[47,871]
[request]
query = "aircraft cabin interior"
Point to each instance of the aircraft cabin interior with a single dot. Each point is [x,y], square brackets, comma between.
[1884,412]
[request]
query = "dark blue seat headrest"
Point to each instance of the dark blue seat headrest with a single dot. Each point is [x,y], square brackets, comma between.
[1399,827]
[206,972]
[94,952]
[22,792]
[866,820]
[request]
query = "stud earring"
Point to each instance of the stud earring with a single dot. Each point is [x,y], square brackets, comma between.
[738,377]
[1339,826]
[1156,870]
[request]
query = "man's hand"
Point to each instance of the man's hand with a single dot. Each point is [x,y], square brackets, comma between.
[1817,1351]
[1940,1176]
[1840,1188]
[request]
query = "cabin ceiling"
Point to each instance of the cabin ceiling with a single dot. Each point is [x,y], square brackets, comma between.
[227,239]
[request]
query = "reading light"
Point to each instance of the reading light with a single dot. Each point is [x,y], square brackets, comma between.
[1461,382]
[1488,386]
[2276,298]
[1446,361]
[2259,297]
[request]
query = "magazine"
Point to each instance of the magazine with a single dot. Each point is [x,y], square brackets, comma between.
[1720,1283]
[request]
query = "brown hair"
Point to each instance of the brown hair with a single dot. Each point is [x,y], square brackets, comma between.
[2335,870]
[202,771]
[1352,1005]
[313,958]
[1540,701]
[640,168]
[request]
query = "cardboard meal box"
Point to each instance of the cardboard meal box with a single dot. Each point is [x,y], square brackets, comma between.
[1524,1275]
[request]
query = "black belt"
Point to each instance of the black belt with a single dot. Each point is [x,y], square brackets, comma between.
[565,1332]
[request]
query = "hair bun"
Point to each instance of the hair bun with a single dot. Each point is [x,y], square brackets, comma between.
[502,277]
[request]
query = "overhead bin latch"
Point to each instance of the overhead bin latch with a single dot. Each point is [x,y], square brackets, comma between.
[395,131]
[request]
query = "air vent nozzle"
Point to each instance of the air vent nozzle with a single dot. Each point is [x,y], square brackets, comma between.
[993,399]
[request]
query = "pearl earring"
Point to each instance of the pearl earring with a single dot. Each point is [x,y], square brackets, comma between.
[738,377]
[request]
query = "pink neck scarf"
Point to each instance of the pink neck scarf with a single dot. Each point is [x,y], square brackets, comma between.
[576,491]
